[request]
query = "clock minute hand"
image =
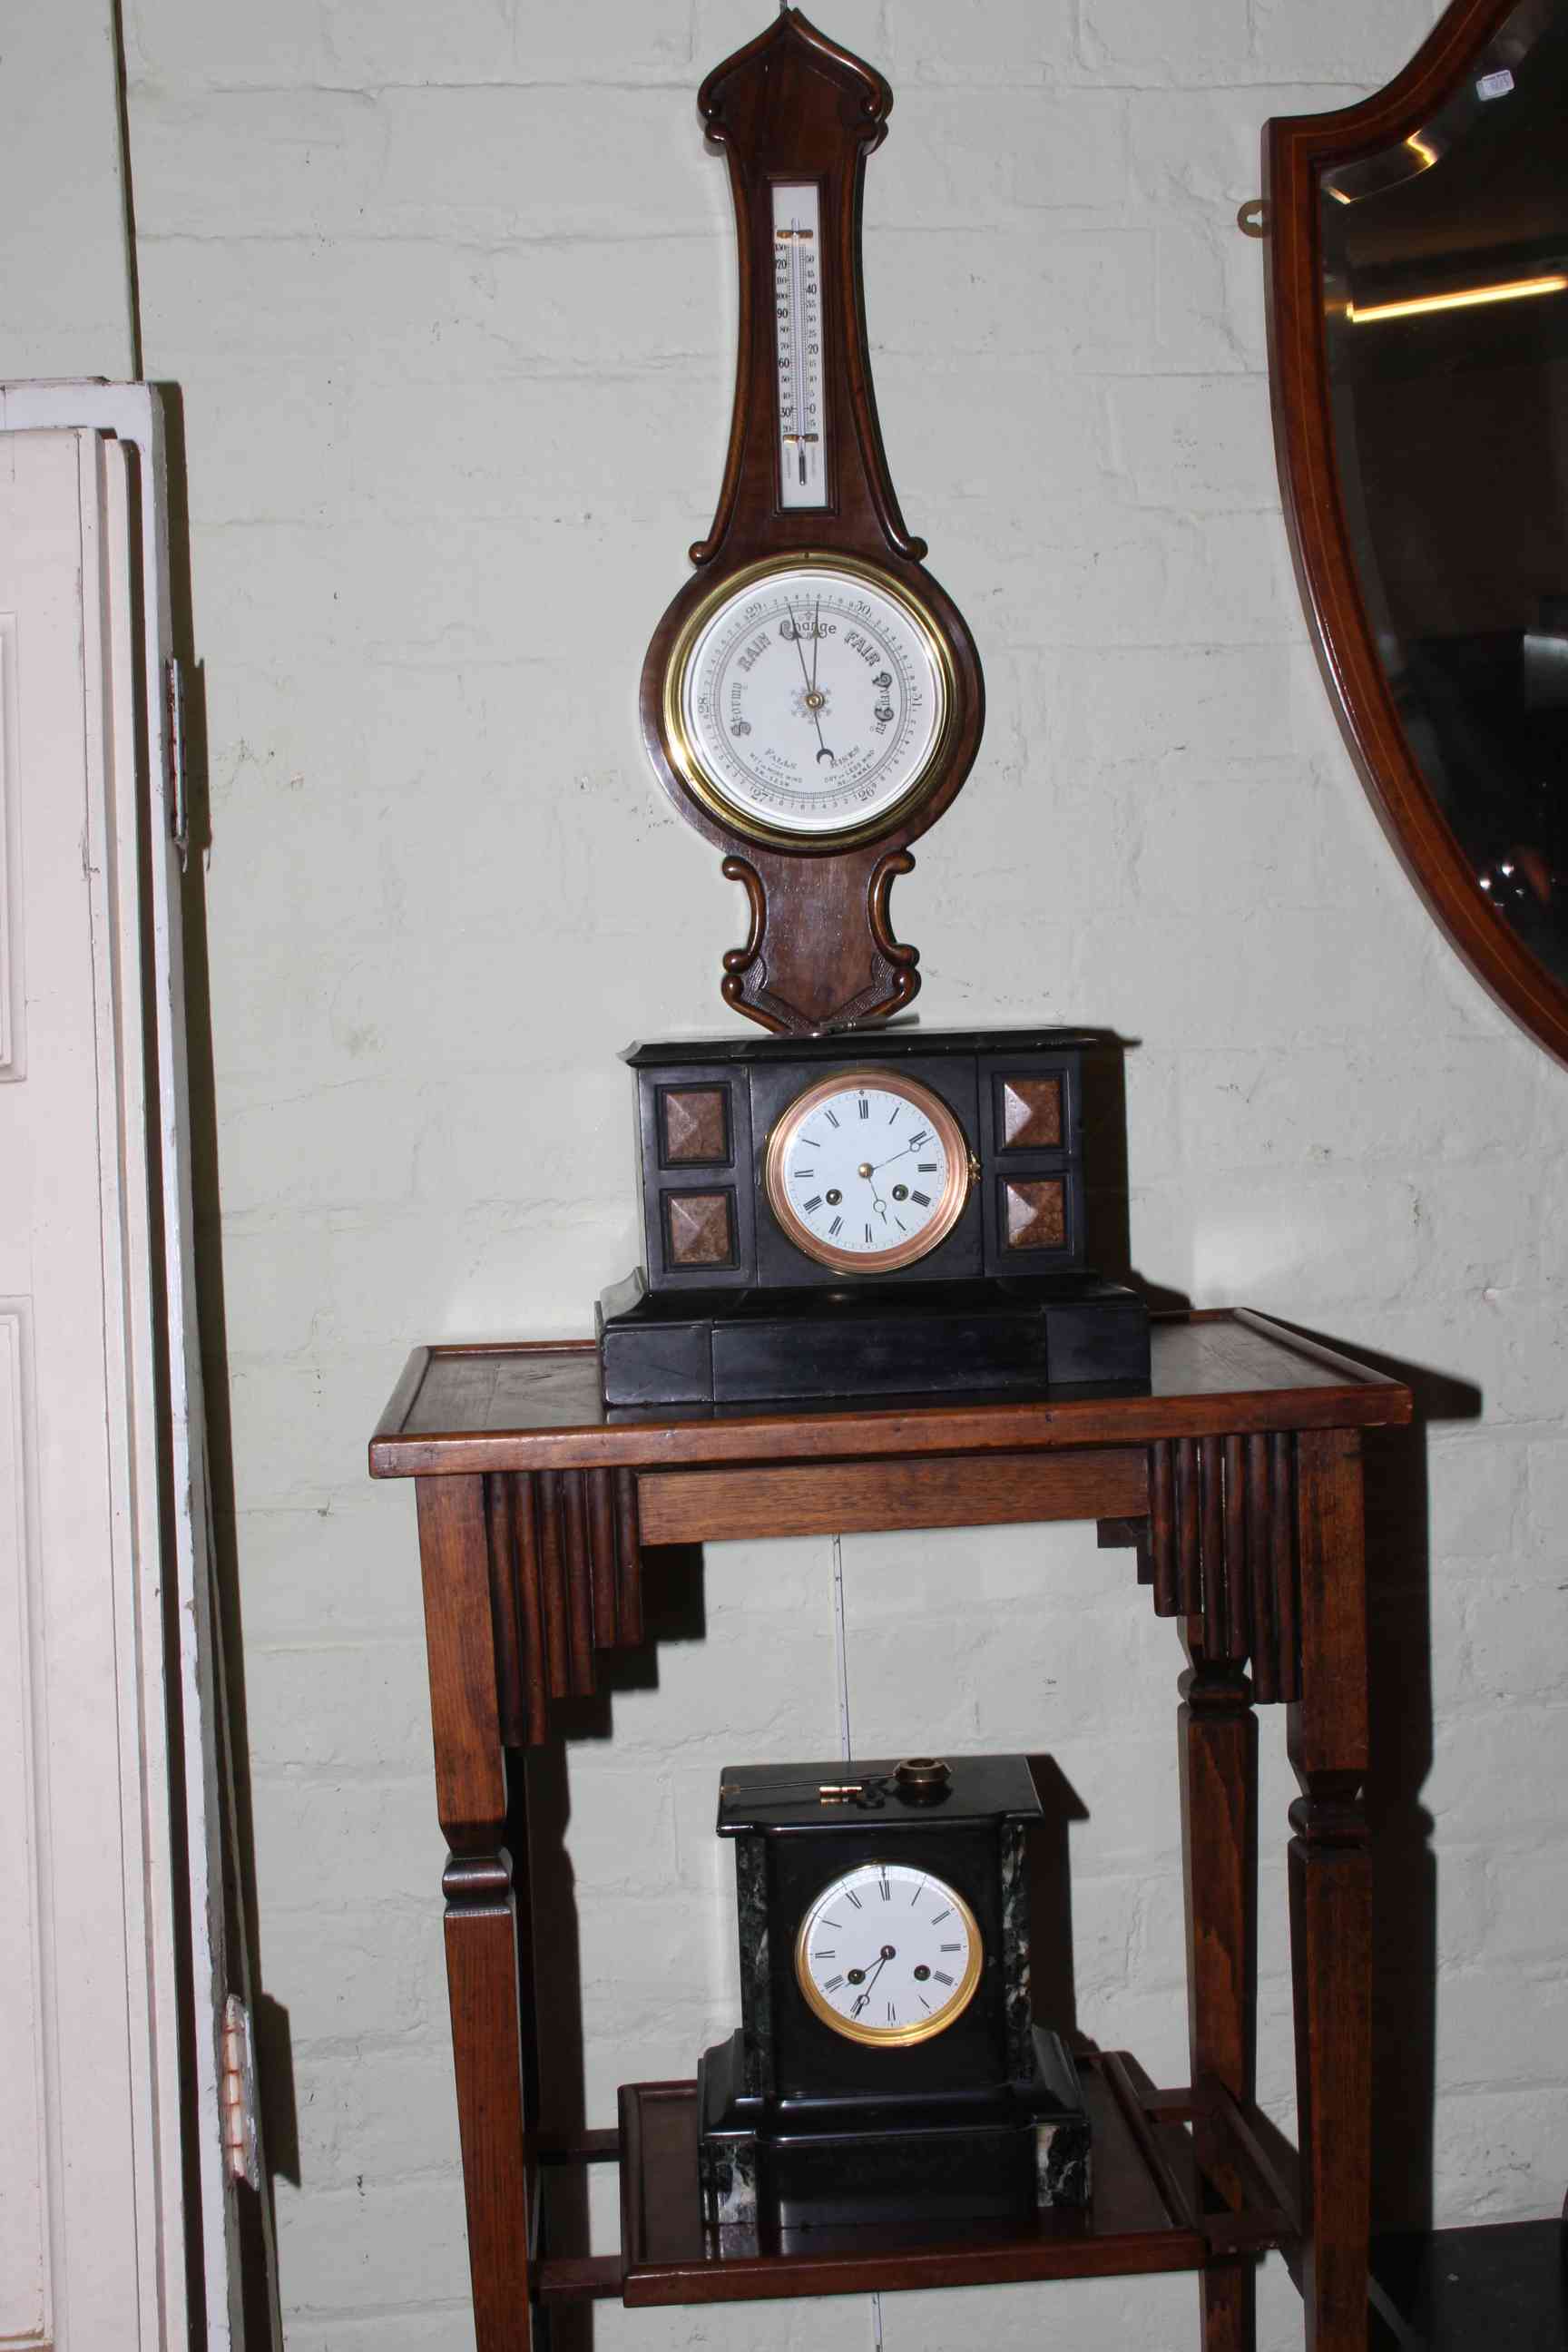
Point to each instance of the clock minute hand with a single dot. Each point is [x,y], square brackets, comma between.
[891,1157]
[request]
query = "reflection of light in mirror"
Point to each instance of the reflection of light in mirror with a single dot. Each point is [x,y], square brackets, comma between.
[1515,289]
[1422,149]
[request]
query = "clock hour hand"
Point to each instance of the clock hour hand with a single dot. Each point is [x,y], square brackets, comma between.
[865,1994]
[878,1202]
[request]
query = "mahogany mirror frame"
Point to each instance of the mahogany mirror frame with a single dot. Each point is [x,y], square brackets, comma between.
[1297,151]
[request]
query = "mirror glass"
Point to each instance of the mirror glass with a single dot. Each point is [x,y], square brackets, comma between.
[1445,288]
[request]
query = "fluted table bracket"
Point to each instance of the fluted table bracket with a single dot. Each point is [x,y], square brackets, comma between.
[565,1561]
[1221,1551]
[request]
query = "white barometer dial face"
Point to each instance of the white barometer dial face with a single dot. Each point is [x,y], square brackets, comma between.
[808,701]
[887,1954]
[867,1171]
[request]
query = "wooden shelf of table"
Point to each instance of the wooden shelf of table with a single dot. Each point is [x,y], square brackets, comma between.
[1149,2210]
[1237,1482]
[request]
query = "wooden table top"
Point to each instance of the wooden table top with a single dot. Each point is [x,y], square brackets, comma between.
[531,1405]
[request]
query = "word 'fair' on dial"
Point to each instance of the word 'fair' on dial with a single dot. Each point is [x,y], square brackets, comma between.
[812,701]
[889,1954]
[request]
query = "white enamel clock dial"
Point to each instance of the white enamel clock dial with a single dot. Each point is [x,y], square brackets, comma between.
[867,1171]
[809,700]
[887,1954]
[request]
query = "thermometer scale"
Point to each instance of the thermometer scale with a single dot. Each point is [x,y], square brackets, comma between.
[797,344]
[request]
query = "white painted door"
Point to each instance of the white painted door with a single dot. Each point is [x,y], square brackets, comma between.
[104,1844]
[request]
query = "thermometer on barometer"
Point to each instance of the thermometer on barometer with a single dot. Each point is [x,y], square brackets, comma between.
[797,344]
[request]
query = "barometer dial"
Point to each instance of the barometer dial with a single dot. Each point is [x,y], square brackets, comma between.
[809,700]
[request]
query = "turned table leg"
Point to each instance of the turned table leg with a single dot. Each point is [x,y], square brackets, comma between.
[481,1945]
[1330,1895]
[1217,1733]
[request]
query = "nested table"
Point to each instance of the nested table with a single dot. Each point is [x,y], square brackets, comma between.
[1237,1481]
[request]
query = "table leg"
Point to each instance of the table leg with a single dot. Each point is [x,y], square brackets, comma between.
[1217,1733]
[1330,1895]
[481,1942]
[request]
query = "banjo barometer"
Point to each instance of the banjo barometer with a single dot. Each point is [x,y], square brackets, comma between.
[811,701]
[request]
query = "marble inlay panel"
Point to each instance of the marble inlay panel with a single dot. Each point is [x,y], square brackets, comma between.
[696,1125]
[700,1229]
[1031,1114]
[756,1979]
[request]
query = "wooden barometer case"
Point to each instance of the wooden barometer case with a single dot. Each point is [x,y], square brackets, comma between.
[812,700]
[887,2069]
[895,1212]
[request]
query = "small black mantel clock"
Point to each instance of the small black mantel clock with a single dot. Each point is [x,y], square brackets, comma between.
[887,2068]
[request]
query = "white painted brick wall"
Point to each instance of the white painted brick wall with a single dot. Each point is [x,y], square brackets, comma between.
[449,294]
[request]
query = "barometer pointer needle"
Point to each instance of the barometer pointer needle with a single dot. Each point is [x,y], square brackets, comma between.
[809,676]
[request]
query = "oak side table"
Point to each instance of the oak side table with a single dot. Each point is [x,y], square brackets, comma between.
[1237,1481]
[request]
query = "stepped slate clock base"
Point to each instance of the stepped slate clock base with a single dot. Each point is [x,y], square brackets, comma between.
[727,1347]
[770,2167]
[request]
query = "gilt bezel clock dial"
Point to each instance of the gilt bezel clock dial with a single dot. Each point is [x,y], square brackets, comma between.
[808,699]
[867,1171]
[888,1955]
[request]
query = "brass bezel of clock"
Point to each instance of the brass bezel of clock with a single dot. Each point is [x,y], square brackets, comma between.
[897,2037]
[687,759]
[955,1192]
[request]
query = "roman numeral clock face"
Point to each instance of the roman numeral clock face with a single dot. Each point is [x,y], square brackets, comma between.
[866,1172]
[887,1955]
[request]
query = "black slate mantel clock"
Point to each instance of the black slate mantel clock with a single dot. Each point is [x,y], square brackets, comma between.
[897,1213]
[812,698]
[887,2068]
